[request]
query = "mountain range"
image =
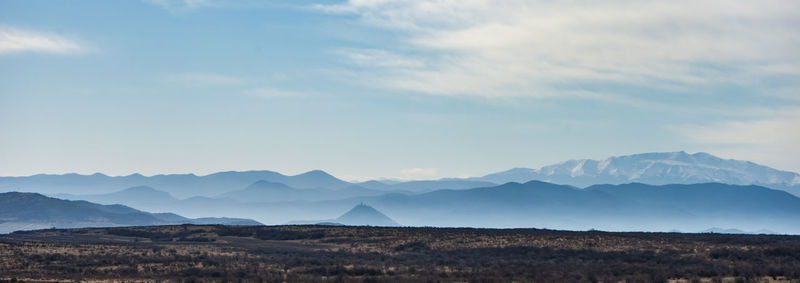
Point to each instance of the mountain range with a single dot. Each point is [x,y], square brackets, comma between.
[626,207]
[651,192]
[635,206]
[659,168]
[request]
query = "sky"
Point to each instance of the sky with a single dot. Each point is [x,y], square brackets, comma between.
[392,88]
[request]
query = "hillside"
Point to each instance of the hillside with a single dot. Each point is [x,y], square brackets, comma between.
[19,211]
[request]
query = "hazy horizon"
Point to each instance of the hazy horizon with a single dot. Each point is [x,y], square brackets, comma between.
[399,179]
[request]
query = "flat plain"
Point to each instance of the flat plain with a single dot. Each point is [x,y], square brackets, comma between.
[391,254]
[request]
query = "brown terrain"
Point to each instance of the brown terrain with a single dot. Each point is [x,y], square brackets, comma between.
[373,254]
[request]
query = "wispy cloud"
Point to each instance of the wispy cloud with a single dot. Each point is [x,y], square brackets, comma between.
[530,48]
[772,140]
[16,40]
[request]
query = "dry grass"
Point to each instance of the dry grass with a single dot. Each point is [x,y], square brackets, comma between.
[316,253]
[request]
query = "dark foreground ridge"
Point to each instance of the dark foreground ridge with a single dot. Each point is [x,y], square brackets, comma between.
[358,254]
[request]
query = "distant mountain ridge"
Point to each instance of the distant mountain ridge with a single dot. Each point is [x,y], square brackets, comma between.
[265,191]
[212,185]
[659,168]
[191,192]
[179,185]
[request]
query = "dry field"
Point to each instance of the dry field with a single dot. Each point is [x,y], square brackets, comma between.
[372,254]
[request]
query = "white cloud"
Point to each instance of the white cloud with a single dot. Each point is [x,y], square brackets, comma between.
[16,40]
[525,48]
[773,141]
[418,173]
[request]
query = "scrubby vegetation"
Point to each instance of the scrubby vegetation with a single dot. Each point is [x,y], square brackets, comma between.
[369,254]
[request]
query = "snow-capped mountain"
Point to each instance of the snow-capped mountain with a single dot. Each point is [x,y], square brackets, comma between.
[655,168]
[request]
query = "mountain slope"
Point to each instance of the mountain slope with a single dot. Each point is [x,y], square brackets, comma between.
[38,211]
[34,208]
[654,168]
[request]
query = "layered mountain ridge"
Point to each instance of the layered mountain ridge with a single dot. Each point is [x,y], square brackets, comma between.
[650,191]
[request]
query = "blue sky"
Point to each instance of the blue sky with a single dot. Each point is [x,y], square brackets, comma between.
[389,88]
